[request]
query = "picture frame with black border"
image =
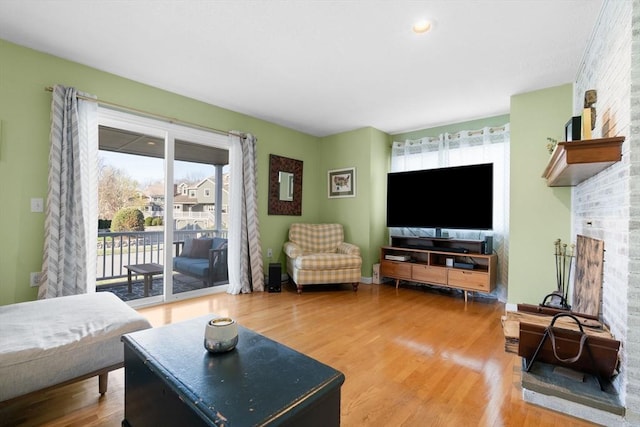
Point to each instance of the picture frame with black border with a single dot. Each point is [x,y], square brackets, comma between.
[341,183]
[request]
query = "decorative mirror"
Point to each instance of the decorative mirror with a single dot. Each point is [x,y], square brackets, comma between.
[285,186]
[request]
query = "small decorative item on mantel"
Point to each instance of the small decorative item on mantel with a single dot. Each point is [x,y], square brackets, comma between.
[573,129]
[589,113]
[551,144]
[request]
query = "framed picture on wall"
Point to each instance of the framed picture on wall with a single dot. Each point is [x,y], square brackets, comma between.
[342,182]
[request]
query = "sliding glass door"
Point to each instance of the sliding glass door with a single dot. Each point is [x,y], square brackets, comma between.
[161,186]
[130,248]
[200,212]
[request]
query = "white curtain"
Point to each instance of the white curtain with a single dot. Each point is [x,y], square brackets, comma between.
[487,145]
[69,258]
[245,251]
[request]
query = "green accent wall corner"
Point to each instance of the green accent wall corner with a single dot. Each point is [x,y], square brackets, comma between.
[366,149]
[538,214]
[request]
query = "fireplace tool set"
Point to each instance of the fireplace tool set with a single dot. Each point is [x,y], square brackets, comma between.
[564,260]
[570,339]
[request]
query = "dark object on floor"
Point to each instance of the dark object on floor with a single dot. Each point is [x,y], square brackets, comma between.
[275,277]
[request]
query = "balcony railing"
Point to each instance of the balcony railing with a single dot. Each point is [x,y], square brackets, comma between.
[117,249]
[193,215]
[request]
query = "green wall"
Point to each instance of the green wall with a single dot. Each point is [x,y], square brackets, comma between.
[538,214]
[363,216]
[24,150]
[380,159]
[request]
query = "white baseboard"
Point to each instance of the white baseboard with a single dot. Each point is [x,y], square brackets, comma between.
[511,307]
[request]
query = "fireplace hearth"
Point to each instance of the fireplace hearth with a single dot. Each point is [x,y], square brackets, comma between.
[573,393]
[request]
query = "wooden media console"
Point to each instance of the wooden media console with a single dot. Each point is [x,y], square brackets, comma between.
[458,264]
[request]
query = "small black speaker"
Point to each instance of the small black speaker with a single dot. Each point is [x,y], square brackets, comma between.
[488,245]
[274,284]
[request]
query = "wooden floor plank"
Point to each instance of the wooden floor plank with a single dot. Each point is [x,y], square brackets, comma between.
[411,357]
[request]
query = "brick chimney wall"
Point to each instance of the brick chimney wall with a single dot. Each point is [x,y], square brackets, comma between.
[607,206]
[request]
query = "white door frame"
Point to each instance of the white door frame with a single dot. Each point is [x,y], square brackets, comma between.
[169,132]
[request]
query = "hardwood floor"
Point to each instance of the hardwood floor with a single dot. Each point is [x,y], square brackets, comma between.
[411,357]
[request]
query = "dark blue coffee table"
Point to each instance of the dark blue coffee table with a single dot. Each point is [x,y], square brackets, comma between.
[170,379]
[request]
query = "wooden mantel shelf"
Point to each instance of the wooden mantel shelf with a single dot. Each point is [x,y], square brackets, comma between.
[573,162]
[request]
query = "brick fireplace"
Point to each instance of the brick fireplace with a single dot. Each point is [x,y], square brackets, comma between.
[607,206]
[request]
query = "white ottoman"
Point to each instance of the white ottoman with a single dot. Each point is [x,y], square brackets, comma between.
[56,341]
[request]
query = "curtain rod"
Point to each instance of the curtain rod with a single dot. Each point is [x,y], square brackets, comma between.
[457,135]
[478,132]
[154,115]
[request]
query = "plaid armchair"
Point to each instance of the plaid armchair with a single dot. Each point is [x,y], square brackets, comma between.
[317,254]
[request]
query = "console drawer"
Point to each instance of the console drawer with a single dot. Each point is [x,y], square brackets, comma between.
[396,270]
[469,279]
[429,274]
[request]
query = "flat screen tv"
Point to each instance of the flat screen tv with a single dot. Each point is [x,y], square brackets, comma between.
[459,197]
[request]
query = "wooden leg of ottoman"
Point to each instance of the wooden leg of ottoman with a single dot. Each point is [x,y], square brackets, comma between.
[103,382]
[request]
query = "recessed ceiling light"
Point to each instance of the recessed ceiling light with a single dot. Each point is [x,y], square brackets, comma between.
[151,143]
[421,26]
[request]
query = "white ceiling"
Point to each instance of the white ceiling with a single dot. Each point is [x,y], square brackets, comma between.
[321,67]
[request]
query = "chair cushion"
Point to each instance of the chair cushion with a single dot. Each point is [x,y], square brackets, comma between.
[327,261]
[200,248]
[188,244]
[198,267]
[317,237]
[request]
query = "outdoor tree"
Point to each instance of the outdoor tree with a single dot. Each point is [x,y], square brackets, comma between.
[192,177]
[116,190]
[128,219]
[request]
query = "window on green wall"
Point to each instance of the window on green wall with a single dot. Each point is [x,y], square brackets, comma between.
[487,145]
